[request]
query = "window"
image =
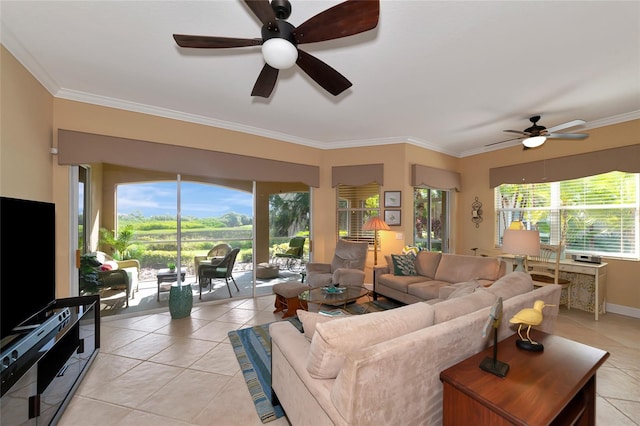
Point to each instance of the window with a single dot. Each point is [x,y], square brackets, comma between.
[356,204]
[593,215]
[431,230]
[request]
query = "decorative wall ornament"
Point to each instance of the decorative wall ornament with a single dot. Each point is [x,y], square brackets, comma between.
[476,212]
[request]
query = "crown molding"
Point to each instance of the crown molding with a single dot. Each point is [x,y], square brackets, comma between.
[181,116]
[22,55]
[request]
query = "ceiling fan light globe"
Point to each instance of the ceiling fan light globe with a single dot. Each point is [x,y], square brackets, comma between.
[279,53]
[534,142]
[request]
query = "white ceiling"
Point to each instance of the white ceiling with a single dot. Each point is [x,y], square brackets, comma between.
[445,75]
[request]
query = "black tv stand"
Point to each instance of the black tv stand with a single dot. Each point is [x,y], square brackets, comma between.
[40,383]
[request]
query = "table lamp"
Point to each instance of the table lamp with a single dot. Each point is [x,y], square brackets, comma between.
[375,224]
[521,243]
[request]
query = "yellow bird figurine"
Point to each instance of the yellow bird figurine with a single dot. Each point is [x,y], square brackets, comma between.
[529,317]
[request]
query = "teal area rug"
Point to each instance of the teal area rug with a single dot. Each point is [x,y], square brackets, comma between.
[252,347]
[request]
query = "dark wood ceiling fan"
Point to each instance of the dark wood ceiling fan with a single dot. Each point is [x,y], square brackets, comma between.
[280,40]
[536,135]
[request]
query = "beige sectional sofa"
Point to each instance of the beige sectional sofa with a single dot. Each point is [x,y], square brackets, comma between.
[433,271]
[383,368]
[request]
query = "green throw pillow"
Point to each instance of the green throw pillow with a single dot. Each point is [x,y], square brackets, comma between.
[403,264]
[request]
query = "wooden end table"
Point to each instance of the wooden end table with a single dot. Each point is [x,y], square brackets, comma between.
[555,386]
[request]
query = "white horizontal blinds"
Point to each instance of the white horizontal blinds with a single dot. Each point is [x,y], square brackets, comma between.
[601,213]
[356,204]
[595,215]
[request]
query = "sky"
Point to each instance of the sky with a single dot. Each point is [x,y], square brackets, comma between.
[198,200]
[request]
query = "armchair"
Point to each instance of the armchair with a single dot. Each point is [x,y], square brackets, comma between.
[292,258]
[346,268]
[130,266]
[218,251]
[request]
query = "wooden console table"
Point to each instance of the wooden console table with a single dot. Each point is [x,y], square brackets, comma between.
[588,283]
[556,386]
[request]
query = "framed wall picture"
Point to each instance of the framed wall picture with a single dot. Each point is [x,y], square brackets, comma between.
[392,198]
[392,217]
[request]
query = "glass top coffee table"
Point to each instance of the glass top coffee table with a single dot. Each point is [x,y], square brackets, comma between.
[341,296]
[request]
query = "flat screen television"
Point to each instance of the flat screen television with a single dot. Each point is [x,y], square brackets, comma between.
[27,261]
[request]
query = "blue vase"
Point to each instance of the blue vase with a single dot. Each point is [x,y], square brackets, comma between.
[180,300]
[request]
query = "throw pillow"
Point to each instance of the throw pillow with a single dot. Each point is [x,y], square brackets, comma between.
[403,264]
[464,289]
[411,250]
[309,321]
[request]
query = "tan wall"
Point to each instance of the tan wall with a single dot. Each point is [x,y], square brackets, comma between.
[30,116]
[622,281]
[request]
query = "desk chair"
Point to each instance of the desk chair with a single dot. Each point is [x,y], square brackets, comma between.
[545,268]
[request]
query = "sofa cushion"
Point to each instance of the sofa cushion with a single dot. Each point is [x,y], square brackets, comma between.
[454,308]
[334,339]
[400,283]
[455,268]
[426,290]
[427,263]
[511,285]
[403,264]
[310,319]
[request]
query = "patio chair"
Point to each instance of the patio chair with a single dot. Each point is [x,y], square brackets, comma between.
[224,269]
[292,258]
[130,266]
[215,255]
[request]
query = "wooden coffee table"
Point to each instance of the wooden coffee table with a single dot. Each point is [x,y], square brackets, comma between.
[320,295]
[555,386]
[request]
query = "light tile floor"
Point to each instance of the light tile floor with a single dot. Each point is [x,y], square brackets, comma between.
[152,370]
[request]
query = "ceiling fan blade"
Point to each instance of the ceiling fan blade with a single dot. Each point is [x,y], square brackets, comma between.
[207,42]
[576,136]
[330,80]
[266,82]
[262,9]
[342,20]
[508,140]
[566,125]
[517,131]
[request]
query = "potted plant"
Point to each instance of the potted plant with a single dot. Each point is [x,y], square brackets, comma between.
[88,271]
[171,266]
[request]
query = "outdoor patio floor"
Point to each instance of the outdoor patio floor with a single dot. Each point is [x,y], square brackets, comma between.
[145,299]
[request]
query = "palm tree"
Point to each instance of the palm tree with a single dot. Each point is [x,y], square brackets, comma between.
[289,213]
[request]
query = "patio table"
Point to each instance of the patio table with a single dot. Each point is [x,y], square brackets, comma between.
[166,276]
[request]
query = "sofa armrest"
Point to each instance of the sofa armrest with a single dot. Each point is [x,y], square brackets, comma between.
[379,270]
[346,276]
[320,268]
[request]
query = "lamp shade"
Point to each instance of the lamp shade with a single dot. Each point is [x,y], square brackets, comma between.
[376,224]
[521,242]
[279,53]
[534,142]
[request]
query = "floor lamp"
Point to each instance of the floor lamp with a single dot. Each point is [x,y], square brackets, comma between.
[375,224]
[521,243]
